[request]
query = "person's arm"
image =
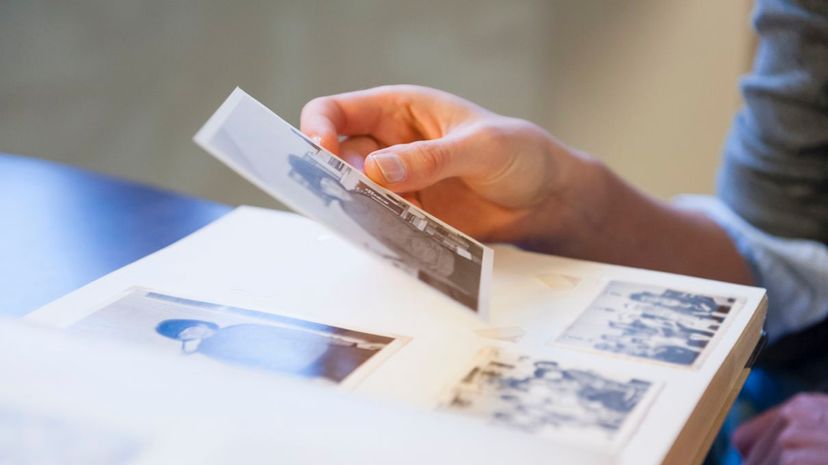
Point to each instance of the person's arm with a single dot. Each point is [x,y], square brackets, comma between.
[635,229]
[772,184]
[504,179]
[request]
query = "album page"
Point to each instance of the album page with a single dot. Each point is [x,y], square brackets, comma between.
[579,355]
[89,401]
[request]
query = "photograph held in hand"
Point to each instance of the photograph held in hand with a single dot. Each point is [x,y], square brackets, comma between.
[276,157]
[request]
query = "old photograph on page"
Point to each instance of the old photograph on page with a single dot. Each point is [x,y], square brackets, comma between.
[239,337]
[272,154]
[651,322]
[547,398]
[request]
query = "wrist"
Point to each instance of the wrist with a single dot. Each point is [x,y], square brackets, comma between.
[576,209]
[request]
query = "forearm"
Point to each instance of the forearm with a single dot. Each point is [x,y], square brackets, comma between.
[615,223]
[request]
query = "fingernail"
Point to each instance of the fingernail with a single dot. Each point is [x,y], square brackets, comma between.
[316,140]
[390,166]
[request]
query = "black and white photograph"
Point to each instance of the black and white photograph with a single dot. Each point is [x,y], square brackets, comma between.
[547,398]
[238,337]
[651,322]
[279,159]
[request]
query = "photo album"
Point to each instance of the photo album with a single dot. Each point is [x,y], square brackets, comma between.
[438,346]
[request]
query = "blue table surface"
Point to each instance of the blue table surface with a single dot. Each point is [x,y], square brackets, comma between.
[62,227]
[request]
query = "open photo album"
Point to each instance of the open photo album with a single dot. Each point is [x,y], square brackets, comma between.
[368,299]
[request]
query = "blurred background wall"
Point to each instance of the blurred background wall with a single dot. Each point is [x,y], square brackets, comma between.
[121,86]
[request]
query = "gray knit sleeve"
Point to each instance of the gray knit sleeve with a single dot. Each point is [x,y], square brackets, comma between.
[775,170]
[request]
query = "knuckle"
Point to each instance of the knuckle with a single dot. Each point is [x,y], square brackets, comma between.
[799,397]
[788,412]
[316,103]
[503,130]
[402,93]
[409,88]
[492,133]
[432,159]
[788,438]
[790,407]
[799,404]
[324,107]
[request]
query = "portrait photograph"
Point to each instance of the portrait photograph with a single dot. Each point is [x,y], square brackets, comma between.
[238,337]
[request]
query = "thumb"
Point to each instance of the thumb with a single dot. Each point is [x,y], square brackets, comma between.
[415,166]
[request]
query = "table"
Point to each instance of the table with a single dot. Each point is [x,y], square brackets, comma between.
[62,227]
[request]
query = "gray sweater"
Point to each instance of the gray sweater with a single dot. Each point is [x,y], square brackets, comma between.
[773,184]
[775,171]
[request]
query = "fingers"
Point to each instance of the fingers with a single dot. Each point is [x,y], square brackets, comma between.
[816,456]
[390,114]
[411,167]
[799,436]
[747,435]
[413,198]
[415,166]
[354,150]
[468,152]
[765,449]
[422,136]
[319,120]
[807,409]
[794,444]
[795,432]
[350,113]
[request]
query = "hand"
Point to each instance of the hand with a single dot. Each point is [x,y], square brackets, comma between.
[488,175]
[503,179]
[793,433]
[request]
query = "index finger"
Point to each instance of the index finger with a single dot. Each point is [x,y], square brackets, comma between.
[391,115]
[351,113]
